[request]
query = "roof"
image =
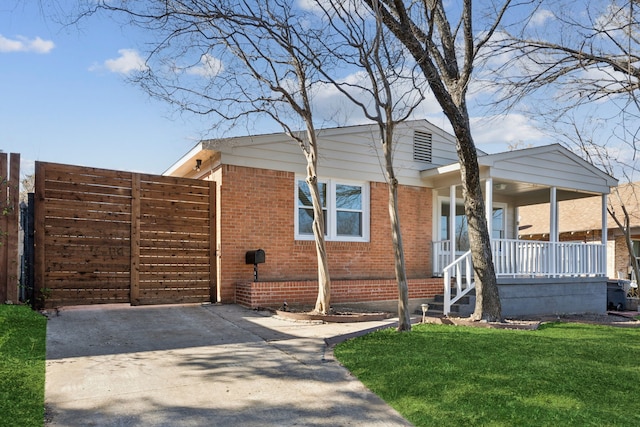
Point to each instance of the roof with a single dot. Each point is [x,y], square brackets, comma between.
[349,153]
[527,174]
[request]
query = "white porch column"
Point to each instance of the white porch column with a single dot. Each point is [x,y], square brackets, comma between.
[452,222]
[488,204]
[605,233]
[553,229]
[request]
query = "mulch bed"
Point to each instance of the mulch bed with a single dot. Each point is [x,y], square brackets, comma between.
[612,318]
[336,317]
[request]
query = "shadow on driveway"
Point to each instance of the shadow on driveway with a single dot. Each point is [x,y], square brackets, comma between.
[198,365]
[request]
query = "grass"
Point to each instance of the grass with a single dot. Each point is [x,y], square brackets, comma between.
[563,374]
[22,366]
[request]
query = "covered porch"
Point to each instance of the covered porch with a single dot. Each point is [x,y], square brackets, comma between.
[513,179]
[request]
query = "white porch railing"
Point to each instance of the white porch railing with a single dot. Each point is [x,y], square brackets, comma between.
[531,258]
[520,258]
[461,271]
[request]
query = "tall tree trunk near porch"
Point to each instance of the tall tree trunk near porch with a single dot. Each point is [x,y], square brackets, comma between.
[488,306]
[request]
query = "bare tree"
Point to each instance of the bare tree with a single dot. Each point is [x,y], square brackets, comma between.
[235,60]
[387,93]
[27,185]
[579,62]
[445,52]
[584,62]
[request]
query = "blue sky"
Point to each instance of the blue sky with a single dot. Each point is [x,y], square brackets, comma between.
[64,98]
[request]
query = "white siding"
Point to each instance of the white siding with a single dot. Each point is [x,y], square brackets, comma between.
[548,166]
[347,153]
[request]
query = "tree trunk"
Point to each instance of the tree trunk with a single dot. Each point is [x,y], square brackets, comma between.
[324,282]
[488,305]
[404,319]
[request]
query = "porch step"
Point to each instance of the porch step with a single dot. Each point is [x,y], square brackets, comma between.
[462,308]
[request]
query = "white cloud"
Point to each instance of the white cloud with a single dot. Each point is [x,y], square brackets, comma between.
[541,16]
[209,67]
[23,44]
[128,61]
[495,133]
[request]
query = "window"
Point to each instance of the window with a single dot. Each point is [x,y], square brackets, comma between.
[345,207]
[461,230]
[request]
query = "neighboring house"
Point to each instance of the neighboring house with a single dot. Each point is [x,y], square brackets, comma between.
[262,203]
[579,221]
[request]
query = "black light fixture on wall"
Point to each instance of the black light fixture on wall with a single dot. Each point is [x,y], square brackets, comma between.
[198,164]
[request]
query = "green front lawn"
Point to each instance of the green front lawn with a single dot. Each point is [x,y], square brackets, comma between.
[22,366]
[564,374]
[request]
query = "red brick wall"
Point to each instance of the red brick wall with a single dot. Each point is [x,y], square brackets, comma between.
[256,210]
[273,294]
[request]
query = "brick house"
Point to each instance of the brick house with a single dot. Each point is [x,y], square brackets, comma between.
[261,204]
[580,221]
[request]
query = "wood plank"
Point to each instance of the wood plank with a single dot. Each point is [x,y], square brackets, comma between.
[175,253]
[86,240]
[170,180]
[87,224]
[181,223]
[110,278]
[96,201]
[175,270]
[78,268]
[152,205]
[117,214]
[4,226]
[135,240]
[176,244]
[59,172]
[39,282]
[110,233]
[176,232]
[75,190]
[97,254]
[177,214]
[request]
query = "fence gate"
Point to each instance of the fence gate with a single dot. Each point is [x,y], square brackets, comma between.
[104,236]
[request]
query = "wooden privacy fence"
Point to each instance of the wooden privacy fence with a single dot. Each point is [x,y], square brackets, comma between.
[9,209]
[104,236]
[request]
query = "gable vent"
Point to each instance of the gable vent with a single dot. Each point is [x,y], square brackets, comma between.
[422,146]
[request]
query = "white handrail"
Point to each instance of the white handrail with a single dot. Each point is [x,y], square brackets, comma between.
[461,270]
[530,258]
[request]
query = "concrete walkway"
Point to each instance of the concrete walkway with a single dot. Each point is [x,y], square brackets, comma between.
[201,365]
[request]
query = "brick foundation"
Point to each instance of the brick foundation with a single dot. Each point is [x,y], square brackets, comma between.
[273,294]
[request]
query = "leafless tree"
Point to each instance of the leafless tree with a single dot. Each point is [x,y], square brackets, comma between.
[234,60]
[444,45]
[387,93]
[27,185]
[579,61]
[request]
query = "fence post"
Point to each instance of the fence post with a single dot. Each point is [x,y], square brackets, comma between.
[134,292]
[9,200]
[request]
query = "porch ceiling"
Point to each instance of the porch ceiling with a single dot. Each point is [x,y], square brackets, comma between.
[518,193]
[524,177]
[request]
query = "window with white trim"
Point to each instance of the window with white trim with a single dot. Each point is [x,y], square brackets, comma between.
[345,207]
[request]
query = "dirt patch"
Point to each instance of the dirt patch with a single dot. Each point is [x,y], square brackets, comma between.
[620,319]
[335,317]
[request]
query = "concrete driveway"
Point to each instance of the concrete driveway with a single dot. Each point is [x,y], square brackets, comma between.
[201,365]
